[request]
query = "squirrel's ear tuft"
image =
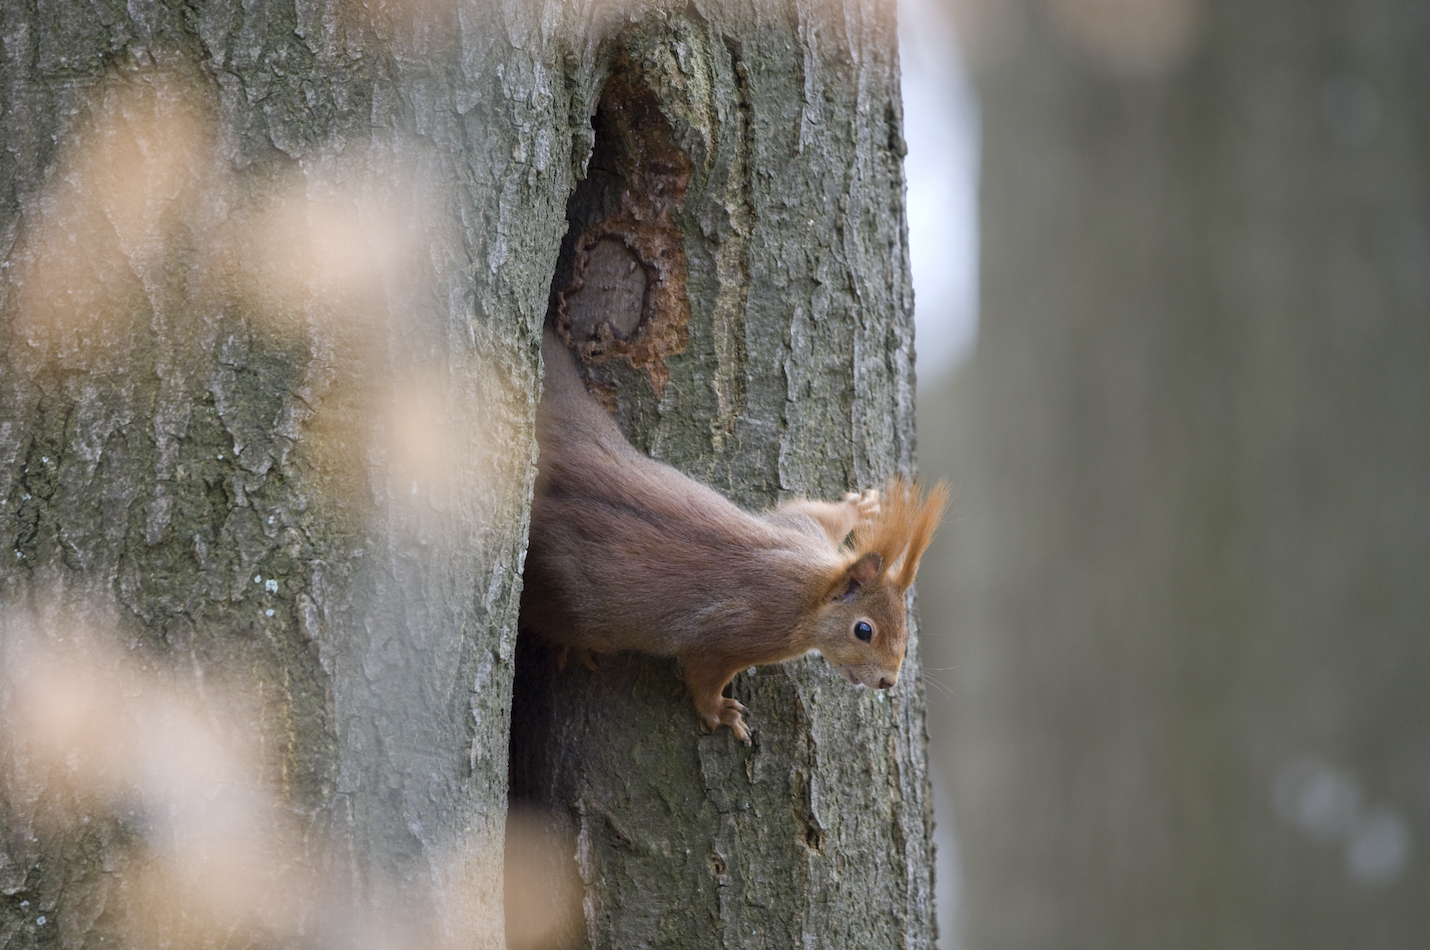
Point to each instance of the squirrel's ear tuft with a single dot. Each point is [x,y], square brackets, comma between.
[902,529]
[856,575]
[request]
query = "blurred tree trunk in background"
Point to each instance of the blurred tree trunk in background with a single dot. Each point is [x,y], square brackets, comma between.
[274,276]
[1187,616]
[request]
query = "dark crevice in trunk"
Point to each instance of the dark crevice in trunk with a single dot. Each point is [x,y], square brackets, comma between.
[618,298]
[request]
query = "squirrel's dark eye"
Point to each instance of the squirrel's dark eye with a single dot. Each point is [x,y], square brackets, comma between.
[863,631]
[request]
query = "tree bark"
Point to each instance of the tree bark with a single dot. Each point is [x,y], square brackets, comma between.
[275,280]
[275,277]
[1188,704]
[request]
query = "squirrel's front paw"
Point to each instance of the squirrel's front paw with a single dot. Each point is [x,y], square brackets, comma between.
[726,712]
[866,503]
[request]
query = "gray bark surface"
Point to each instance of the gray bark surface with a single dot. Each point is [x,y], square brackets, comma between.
[1186,617]
[275,276]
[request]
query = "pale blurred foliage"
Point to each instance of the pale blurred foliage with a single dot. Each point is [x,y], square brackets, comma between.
[339,269]
[90,732]
[344,265]
[535,867]
[1125,37]
[126,178]
[335,259]
[330,258]
[543,889]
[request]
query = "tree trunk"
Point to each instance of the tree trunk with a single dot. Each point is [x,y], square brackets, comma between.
[1188,608]
[795,377]
[274,283]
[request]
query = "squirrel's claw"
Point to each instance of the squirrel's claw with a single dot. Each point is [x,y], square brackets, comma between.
[866,503]
[727,713]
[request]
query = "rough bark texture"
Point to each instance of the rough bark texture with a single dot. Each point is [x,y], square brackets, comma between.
[274,282]
[1187,611]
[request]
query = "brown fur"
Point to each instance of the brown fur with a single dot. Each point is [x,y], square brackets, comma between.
[626,553]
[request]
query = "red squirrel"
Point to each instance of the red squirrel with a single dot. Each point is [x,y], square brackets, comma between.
[626,553]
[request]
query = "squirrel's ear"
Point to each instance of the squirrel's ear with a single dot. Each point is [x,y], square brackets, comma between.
[866,568]
[861,572]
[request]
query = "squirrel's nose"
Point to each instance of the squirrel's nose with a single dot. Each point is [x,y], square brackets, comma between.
[885,682]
